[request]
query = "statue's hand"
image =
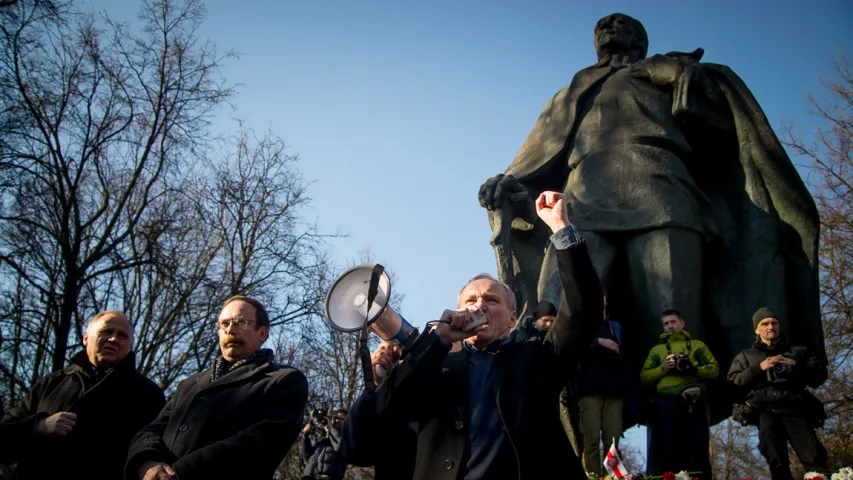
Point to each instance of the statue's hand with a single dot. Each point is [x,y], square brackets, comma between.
[501,189]
[658,69]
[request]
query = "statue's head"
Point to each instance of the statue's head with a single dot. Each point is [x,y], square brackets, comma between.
[619,33]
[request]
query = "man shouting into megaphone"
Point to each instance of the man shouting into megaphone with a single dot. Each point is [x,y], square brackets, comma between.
[481,409]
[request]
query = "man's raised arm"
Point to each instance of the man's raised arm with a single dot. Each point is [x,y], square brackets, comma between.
[582,301]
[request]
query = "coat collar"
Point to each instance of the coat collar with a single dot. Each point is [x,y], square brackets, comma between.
[681,336]
[781,343]
[242,372]
[80,363]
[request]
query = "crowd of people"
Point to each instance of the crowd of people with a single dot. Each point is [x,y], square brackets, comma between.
[460,408]
[454,404]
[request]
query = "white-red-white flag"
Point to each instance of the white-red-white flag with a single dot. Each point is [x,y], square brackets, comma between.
[613,463]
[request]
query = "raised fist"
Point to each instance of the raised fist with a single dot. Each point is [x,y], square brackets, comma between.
[553,209]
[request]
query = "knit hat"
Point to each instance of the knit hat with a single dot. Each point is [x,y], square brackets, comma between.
[544,308]
[760,315]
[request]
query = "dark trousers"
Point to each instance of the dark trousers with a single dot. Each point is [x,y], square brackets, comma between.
[678,439]
[774,433]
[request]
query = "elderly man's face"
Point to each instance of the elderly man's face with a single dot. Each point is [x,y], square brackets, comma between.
[239,336]
[768,330]
[491,297]
[107,340]
[615,34]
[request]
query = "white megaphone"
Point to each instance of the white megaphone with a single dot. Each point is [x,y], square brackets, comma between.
[346,306]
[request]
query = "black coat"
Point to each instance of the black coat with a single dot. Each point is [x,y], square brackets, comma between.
[109,412]
[239,427]
[783,393]
[321,457]
[367,440]
[602,371]
[431,386]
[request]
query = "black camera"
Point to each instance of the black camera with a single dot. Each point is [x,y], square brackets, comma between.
[781,368]
[682,362]
[319,417]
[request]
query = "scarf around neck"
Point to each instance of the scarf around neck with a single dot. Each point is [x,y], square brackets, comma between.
[222,366]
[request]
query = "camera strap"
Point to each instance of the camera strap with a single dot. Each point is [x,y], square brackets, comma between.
[669,347]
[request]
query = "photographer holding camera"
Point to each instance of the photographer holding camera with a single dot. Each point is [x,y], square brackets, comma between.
[679,425]
[319,442]
[774,376]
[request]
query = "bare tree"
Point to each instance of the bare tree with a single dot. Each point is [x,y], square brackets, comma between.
[734,452]
[232,227]
[828,155]
[97,122]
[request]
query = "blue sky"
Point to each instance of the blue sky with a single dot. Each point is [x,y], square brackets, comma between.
[399,110]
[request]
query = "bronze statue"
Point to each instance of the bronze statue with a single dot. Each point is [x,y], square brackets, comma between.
[679,186]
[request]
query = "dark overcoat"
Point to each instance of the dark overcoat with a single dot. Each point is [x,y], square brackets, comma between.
[240,426]
[109,412]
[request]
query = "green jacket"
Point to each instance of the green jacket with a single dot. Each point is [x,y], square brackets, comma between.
[673,383]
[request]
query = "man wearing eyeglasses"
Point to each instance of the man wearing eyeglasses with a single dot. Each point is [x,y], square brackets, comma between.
[236,419]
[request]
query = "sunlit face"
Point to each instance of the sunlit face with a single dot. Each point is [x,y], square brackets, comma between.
[107,340]
[768,330]
[238,342]
[672,323]
[491,297]
[544,323]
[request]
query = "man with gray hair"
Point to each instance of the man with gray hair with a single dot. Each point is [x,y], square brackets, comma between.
[489,410]
[90,409]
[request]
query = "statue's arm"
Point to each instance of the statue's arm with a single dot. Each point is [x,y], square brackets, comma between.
[698,99]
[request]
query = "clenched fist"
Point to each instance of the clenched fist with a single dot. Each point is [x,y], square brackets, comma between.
[553,209]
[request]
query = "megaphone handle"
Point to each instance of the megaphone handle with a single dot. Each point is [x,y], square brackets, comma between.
[366,364]
[373,286]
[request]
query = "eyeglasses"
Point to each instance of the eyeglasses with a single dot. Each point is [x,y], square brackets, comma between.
[236,322]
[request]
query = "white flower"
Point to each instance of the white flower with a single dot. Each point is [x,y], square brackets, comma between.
[813,475]
[682,475]
[845,473]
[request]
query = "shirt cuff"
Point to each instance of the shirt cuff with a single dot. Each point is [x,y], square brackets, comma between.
[565,238]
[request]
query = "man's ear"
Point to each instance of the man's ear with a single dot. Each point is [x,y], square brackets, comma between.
[86,338]
[266,333]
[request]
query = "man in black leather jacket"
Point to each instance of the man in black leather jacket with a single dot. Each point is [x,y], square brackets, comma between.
[774,376]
